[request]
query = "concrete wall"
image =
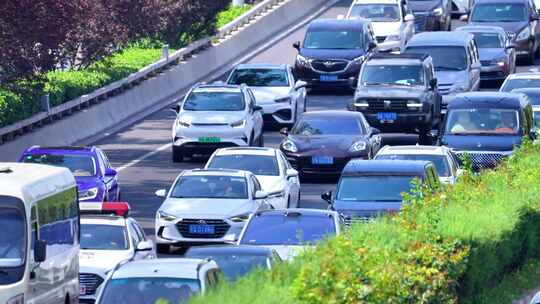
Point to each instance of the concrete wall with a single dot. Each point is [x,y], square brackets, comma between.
[156,93]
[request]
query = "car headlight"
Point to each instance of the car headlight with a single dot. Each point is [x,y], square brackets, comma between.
[359,60]
[288,145]
[239,124]
[438,11]
[240,218]
[358,146]
[302,60]
[459,87]
[88,194]
[414,104]
[393,38]
[524,34]
[162,215]
[287,99]
[362,104]
[500,62]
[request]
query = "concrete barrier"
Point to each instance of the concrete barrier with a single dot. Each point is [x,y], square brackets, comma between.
[158,92]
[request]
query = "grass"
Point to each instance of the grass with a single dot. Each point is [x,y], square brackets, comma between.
[231,14]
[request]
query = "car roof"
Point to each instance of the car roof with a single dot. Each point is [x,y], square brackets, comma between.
[337,24]
[385,167]
[302,211]
[103,219]
[261,66]
[332,113]
[263,151]
[218,87]
[481,29]
[174,268]
[398,59]
[215,172]
[414,150]
[229,249]
[61,149]
[488,100]
[440,39]
[376,2]
[524,75]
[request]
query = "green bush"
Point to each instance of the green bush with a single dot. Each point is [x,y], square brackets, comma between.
[442,247]
[11,108]
[231,13]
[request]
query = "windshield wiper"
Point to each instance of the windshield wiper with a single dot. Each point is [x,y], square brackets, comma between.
[446,68]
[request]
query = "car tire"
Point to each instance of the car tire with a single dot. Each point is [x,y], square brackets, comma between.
[177,155]
[163,248]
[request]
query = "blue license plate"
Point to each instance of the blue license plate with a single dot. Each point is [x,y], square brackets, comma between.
[387,116]
[328,78]
[322,160]
[201,229]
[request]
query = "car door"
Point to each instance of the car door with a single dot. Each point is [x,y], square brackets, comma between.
[256,116]
[293,184]
[110,180]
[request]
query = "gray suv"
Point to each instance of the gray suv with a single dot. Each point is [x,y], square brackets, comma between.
[398,93]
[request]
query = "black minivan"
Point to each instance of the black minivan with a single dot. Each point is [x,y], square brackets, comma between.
[487,126]
[333,52]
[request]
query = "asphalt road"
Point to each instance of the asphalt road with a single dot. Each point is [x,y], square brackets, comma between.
[143,155]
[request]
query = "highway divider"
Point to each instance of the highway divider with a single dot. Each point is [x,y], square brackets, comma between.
[442,247]
[157,85]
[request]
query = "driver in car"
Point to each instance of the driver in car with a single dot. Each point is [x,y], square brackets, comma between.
[507,123]
[464,123]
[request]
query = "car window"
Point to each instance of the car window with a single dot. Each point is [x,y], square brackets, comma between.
[518,83]
[373,188]
[483,121]
[200,100]
[285,160]
[445,58]
[440,161]
[104,237]
[256,184]
[256,164]
[333,39]
[135,237]
[210,186]
[499,12]
[139,231]
[260,77]
[489,40]
[376,12]
[79,165]
[406,75]
[327,126]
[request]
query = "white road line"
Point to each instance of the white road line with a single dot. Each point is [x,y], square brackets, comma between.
[140,159]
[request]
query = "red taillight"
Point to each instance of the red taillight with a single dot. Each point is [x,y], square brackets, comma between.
[118,208]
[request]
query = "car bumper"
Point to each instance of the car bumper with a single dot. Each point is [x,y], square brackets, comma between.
[493,72]
[405,122]
[175,233]
[280,113]
[304,164]
[191,146]
[345,78]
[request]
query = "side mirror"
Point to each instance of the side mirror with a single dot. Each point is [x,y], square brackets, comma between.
[327,196]
[375,131]
[257,108]
[40,251]
[291,173]
[161,193]
[409,17]
[296,45]
[372,45]
[284,131]
[261,195]
[145,246]
[175,108]
[433,83]
[464,18]
[300,84]
[110,172]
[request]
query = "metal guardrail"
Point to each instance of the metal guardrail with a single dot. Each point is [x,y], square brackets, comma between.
[9,132]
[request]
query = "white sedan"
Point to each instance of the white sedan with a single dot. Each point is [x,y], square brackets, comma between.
[270,166]
[275,88]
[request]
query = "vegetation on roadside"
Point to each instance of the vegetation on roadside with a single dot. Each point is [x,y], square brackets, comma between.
[442,248]
[231,14]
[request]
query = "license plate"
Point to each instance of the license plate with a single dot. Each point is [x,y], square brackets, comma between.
[201,229]
[322,160]
[329,78]
[210,140]
[82,290]
[387,116]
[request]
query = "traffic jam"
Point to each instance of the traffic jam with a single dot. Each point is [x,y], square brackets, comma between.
[69,237]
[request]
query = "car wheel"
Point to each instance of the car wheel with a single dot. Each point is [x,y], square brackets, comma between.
[163,248]
[177,155]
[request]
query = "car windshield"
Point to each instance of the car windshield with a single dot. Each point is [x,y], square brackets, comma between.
[440,161]
[333,39]
[79,165]
[256,164]
[519,83]
[210,186]
[291,229]
[376,12]
[374,188]
[488,40]
[499,12]
[234,265]
[408,75]
[445,58]
[155,290]
[326,126]
[214,101]
[260,77]
[482,121]
[12,238]
[103,237]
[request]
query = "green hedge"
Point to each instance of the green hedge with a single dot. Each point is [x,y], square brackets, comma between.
[10,108]
[442,247]
[230,14]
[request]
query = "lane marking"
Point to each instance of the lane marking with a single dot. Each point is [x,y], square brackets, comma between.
[140,159]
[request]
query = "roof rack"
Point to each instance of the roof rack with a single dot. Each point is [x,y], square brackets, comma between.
[400,56]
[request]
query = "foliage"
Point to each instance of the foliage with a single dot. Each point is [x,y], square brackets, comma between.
[230,14]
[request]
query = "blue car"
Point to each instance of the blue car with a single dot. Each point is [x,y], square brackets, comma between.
[96,179]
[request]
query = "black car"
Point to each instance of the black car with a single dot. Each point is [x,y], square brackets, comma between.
[236,261]
[398,93]
[431,15]
[368,189]
[333,52]
[518,18]
[322,142]
[486,126]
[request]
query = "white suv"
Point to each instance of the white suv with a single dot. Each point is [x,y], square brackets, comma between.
[216,116]
[207,206]
[275,89]
[270,166]
[392,24]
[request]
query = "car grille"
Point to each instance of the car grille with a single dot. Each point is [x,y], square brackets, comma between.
[90,282]
[483,160]
[220,228]
[498,74]
[485,62]
[358,220]
[329,66]
[380,39]
[386,104]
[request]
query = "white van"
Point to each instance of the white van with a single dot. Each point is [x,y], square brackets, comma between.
[39,235]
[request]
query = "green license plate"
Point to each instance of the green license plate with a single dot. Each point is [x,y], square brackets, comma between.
[209,140]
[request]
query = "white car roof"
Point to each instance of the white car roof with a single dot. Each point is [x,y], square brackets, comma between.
[375,2]
[172,268]
[526,75]
[247,151]
[413,150]
[216,89]
[215,172]
[102,220]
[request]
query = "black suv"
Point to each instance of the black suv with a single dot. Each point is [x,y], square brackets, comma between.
[398,93]
[333,52]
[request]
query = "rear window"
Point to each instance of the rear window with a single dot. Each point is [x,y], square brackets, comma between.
[260,77]
[445,58]
[214,101]
[79,165]
[256,164]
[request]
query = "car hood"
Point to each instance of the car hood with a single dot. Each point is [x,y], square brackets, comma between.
[514,27]
[423,6]
[365,209]
[481,143]
[87,182]
[389,92]
[288,252]
[271,183]
[324,54]
[448,78]
[215,208]
[491,54]
[386,28]
[101,261]
[335,145]
[268,95]
[212,117]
